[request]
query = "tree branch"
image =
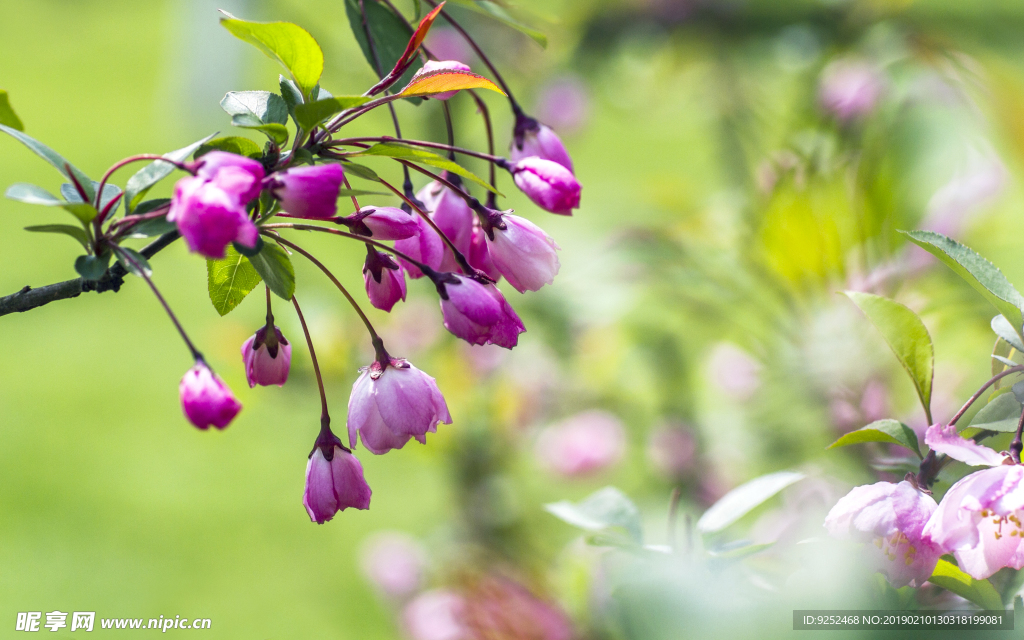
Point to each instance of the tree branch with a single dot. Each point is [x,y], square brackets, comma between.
[29,298]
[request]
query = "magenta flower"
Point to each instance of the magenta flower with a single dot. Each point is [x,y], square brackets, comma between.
[850,88]
[533,139]
[245,190]
[979,518]
[523,253]
[452,216]
[441,65]
[384,280]
[334,482]
[205,399]
[391,404]
[550,185]
[478,313]
[583,444]
[892,517]
[425,246]
[479,257]
[384,223]
[267,358]
[309,192]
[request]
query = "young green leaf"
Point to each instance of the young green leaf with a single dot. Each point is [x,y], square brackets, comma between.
[907,337]
[744,498]
[144,179]
[230,279]
[390,35]
[134,263]
[981,592]
[1002,328]
[31,194]
[981,274]
[7,115]
[262,111]
[152,228]
[444,80]
[890,431]
[67,169]
[311,114]
[75,232]
[405,152]
[1001,414]
[92,267]
[360,171]
[276,269]
[605,508]
[288,43]
[231,144]
[496,12]
[110,191]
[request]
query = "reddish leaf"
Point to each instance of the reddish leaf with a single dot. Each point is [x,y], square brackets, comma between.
[409,54]
[446,80]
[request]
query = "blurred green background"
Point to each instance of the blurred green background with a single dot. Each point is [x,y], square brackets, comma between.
[722,209]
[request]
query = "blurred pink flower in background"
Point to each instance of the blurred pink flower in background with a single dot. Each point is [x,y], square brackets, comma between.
[734,371]
[582,444]
[672,450]
[394,563]
[564,104]
[497,607]
[447,44]
[850,88]
[436,615]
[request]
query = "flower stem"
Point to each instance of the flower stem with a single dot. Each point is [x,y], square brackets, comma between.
[490,157]
[325,417]
[344,234]
[126,161]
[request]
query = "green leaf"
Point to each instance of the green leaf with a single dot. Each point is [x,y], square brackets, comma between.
[151,228]
[309,115]
[293,97]
[1002,328]
[92,267]
[75,232]
[361,171]
[744,498]
[738,549]
[138,258]
[276,269]
[390,36]
[907,337]
[981,592]
[230,279]
[263,111]
[288,43]
[891,431]
[1001,414]
[7,115]
[348,193]
[495,11]
[605,508]
[144,179]
[31,194]
[70,193]
[981,274]
[46,153]
[405,152]
[231,144]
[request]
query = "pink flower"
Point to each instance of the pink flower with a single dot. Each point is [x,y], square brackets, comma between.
[441,65]
[205,399]
[385,223]
[384,280]
[478,313]
[452,216]
[979,518]
[210,214]
[425,246]
[267,359]
[850,88]
[389,405]
[523,253]
[497,607]
[892,517]
[479,257]
[582,444]
[309,192]
[436,615]
[394,563]
[734,371]
[550,185]
[333,483]
[234,182]
[532,139]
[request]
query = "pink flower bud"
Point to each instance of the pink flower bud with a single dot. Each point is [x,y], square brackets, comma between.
[309,192]
[582,444]
[533,139]
[384,280]
[389,405]
[479,257]
[478,313]
[210,217]
[426,247]
[452,216]
[387,223]
[245,190]
[523,253]
[205,399]
[334,484]
[267,358]
[394,562]
[550,185]
[850,88]
[441,65]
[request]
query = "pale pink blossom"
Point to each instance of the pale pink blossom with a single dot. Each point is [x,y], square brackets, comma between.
[582,444]
[850,88]
[523,253]
[452,216]
[384,280]
[478,313]
[394,563]
[267,359]
[333,483]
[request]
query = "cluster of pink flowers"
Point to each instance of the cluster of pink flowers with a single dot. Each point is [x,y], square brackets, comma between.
[462,246]
[979,519]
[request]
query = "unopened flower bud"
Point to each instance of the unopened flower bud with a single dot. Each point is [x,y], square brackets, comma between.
[523,253]
[479,257]
[533,139]
[478,313]
[550,185]
[334,481]
[309,192]
[205,399]
[426,247]
[383,223]
[452,216]
[441,65]
[211,164]
[267,357]
[384,280]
